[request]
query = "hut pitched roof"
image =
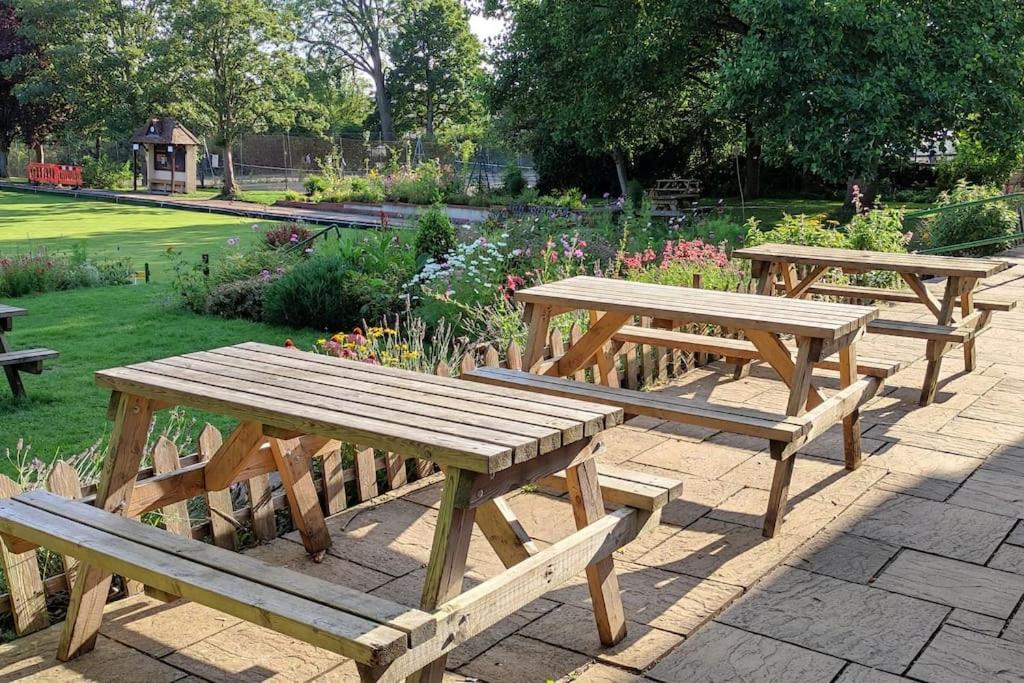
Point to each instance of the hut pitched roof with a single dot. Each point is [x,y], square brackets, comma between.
[164,131]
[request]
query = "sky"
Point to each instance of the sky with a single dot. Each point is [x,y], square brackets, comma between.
[485,27]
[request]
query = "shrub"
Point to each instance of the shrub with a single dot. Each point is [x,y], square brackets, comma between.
[512,179]
[286,235]
[328,292]
[293,196]
[105,174]
[316,184]
[242,299]
[801,229]
[116,271]
[436,236]
[369,189]
[713,230]
[424,185]
[971,223]
[41,272]
[635,193]
[977,165]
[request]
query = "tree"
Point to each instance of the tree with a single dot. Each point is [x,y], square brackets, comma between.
[355,32]
[101,58]
[841,88]
[435,65]
[341,99]
[242,79]
[613,79]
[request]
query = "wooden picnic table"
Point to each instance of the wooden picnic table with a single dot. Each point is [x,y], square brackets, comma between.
[820,330]
[16,362]
[769,261]
[293,405]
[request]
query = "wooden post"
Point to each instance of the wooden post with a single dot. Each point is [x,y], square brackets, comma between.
[24,585]
[297,480]
[366,474]
[513,356]
[64,481]
[218,502]
[165,459]
[966,309]
[935,349]
[575,334]
[851,423]
[334,481]
[133,415]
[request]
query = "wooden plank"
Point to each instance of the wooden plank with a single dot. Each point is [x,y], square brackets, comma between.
[222,522]
[538,320]
[504,532]
[799,289]
[334,482]
[117,481]
[21,572]
[777,496]
[966,312]
[684,305]
[395,465]
[471,454]
[366,474]
[588,507]
[936,347]
[26,356]
[609,373]
[447,564]
[297,480]
[64,481]
[281,611]
[728,418]
[165,460]
[264,521]
[800,380]
[620,487]
[229,459]
[442,385]
[920,330]
[419,626]
[874,260]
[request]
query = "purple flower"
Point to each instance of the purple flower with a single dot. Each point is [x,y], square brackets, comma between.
[233,241]
[265,275]
[279,270]
[607,195]
[295,237]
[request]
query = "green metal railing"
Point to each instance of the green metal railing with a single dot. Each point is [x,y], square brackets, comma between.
[1005,239]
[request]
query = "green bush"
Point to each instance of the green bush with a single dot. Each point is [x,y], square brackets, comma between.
[116,271]
[242,299]
[293,196]
[635,193]
[105,174]
[436,236]
[328,293]
[512,179]
[801,229]
[427,184]
[977,165]
[971,223]
[713,230]
[316,185]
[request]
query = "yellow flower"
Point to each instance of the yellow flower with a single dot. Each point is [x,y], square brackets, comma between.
[321,342]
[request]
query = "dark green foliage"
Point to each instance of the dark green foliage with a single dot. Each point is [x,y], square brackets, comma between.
[635,193]
[977,165]
[973,222]
[436,235]
[315,184]
[512,180]
[328,293]
[105,174]
[242,299]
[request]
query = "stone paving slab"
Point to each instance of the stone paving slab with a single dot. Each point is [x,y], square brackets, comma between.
[722,654]
[954,583]
[957,655]
[517,658]
[855,673]
[913,485]
[860,623]
[1009,558]
[946,443]
[843,556]
[992,491]
[159,628]
[929,526]
[925,463]
[1017,536]
[705,460]
[990,626]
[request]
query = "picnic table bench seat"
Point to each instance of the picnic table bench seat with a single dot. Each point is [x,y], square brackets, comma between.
[736,350]
[366,628]
[25,360]
[900,296]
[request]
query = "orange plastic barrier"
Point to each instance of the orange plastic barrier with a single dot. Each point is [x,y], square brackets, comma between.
[54,174]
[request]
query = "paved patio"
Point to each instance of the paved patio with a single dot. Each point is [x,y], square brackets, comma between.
[912,567]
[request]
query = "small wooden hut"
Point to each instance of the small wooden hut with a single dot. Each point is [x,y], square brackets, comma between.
[171,155]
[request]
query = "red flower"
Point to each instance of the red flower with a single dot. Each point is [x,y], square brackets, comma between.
[289,344]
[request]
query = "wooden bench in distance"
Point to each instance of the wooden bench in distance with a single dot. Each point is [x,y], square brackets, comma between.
[899,296]
[735,350]
[366,628]
[26,360]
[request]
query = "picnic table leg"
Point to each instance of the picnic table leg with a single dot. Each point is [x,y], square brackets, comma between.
[764,273]
[801,394]
[966,309]
[538,321]
[605,360]
[114,494]
[588,507]
[504,532]
[851,423]
[297,480]
[937,348]
[447,557]
[13,377]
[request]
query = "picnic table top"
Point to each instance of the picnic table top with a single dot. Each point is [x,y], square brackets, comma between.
[683,304]
[11,311]
[450,421]
[929,264]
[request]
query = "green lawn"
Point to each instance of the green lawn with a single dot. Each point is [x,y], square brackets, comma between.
[30,222]
[107,326]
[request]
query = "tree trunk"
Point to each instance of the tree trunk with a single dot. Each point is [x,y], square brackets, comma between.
[428,132]
[620,170]
[867,192]
[752,180]
[229,188]
[387,125]
[97,153]
[5,153]
[40,153]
